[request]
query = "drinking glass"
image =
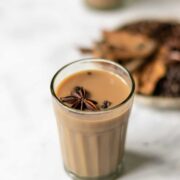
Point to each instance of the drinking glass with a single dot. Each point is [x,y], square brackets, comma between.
[92,143]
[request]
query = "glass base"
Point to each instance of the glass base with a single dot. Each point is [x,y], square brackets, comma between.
[111,176]
[112,7]
[121,4]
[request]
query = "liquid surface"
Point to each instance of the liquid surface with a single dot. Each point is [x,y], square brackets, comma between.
[101,85]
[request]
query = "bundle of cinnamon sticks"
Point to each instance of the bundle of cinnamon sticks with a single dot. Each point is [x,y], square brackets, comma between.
[149,49]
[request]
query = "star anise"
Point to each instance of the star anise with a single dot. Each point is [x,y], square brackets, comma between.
[106,104]
[79,99]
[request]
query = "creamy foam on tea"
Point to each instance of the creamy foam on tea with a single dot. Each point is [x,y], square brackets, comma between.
[100,89]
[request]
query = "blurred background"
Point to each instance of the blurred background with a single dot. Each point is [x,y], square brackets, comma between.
[37,37]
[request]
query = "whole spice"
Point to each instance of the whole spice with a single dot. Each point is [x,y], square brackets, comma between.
[106,104]
[150,50]
[79,99]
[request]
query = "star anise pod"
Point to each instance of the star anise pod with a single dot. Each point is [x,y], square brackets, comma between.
[106,104]
[79,99]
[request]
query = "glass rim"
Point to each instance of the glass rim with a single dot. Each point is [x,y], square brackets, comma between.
[92,112]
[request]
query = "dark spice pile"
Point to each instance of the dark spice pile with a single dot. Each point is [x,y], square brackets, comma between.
[150,50]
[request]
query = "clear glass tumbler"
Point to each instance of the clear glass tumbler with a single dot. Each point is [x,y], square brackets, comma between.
[92,143]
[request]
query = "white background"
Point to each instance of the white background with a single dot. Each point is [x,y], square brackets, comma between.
[37,37]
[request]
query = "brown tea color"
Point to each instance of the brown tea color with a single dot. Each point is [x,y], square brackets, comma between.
[93,144]
[101,86]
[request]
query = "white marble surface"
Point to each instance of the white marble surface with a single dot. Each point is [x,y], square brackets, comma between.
[36,38]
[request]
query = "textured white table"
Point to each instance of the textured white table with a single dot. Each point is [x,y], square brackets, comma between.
[36,38]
